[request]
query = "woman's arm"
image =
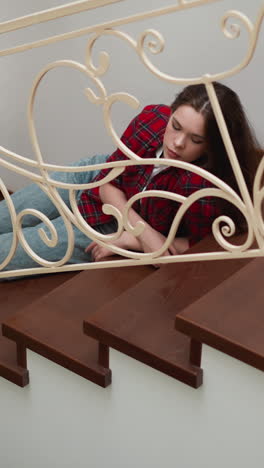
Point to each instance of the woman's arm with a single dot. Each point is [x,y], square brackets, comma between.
[149,241]
[179,245]
[129,242]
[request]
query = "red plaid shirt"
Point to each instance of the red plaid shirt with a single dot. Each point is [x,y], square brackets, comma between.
[144,136]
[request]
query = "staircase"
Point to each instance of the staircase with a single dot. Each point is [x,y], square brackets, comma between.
[73,319]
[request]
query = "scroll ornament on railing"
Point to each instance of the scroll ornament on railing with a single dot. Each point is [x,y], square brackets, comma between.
[149,42]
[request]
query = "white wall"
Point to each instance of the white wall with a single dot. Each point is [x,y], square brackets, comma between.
[144,420]
[69,126]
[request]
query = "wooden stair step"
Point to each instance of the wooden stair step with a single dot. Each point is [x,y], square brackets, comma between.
[14,295]
[230,318]
[53,325]
[140,322]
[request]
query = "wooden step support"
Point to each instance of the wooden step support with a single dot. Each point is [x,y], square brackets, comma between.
[53,325]
[229,318]
[14,295]
[140,322]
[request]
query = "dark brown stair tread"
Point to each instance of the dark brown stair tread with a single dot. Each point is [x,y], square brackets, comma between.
[230,318]
[140,322]
[14,295]
[53,325]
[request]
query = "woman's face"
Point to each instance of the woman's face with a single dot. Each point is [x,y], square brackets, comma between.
[184,137]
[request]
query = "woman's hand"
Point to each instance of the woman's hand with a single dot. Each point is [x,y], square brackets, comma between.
[125,241]
[179,245]
[151,241]
[98,252]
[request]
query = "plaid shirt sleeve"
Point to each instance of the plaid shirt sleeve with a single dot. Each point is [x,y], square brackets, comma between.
[199,217]
[160,212]
[144,133]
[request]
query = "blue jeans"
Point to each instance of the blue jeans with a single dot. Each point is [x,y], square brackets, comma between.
[33,197]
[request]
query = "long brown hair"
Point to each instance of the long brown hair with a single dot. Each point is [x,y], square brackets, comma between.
[245,144]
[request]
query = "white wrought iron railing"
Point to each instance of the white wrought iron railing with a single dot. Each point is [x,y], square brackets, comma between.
[152,41]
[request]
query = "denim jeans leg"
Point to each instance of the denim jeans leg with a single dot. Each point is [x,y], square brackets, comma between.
[22,260]
[33,197]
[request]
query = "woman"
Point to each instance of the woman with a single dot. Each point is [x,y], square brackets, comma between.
[186,131]
[191,135]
